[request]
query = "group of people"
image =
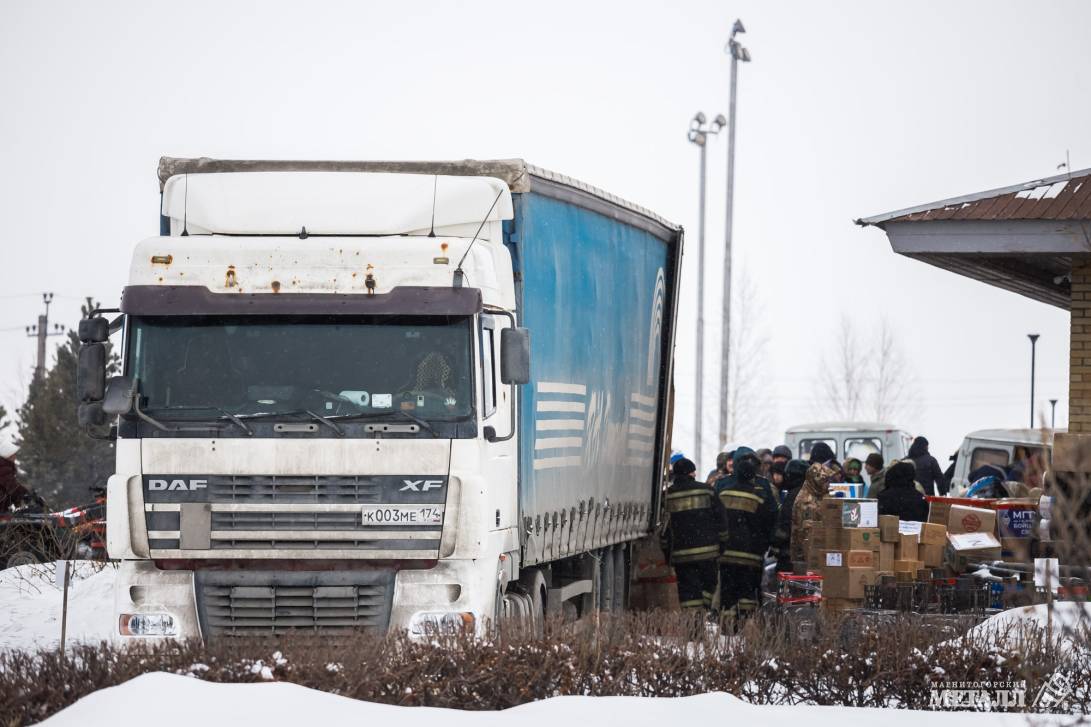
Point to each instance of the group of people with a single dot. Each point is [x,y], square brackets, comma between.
[761,506]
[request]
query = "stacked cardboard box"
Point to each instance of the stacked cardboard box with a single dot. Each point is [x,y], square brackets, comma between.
[968,548]
[851,550]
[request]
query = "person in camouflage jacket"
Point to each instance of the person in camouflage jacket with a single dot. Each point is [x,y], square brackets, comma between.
[807,509]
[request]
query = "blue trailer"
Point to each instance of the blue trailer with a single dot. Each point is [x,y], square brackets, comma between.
[421,394]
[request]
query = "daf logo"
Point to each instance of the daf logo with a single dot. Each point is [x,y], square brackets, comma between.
[187,485]
[421,485]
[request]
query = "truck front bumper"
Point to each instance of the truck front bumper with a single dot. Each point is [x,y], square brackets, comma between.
[152,604]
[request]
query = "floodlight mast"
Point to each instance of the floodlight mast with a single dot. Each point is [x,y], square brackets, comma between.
[737,53]
[699,132]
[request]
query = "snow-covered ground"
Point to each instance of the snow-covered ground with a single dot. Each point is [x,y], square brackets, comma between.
[30,606]
[168,700]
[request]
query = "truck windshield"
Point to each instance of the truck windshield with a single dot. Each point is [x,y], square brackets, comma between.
[191,367]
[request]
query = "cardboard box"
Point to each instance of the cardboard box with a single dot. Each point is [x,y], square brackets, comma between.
[847,582]
[966,548]
[932,555]
[886,556]
[906,548]
[861,559]
[859,539]
[963,519]
[888,528]
[933,534]
[841,512]
[908,566]
[833,559]
[939,511]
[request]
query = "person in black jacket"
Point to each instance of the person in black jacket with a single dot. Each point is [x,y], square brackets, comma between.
[751,511]
[900,495]
[929,473]
[794,473]
[691,540]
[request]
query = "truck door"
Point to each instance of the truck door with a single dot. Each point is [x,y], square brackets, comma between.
[499,461]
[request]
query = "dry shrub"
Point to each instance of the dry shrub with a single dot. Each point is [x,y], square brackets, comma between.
[888,662]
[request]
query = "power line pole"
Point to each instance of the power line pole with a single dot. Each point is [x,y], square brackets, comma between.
[699,132]
[41,332]
[737,53]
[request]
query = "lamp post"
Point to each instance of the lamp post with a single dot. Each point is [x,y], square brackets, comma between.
[737,53]
[1033,345]
[699,131]
[1052,413]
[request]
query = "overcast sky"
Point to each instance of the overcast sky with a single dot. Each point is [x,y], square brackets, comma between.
[848,109]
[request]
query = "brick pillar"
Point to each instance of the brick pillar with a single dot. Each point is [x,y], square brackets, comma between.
[1079,365]
[1071,481]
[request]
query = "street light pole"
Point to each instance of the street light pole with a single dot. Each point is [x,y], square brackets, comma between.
[1033,345]
[737,53]
[41,331]
[699,132]
[1052,413]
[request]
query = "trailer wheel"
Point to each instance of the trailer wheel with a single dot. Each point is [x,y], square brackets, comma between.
[621,579]
[605,584]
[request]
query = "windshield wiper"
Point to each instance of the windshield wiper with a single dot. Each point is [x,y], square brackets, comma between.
[228,416]
[323,420]
[395,412]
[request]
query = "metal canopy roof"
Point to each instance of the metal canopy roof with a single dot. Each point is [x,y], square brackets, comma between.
[1063,197]
[1020,238]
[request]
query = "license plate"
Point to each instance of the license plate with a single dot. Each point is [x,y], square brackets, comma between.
[402,514]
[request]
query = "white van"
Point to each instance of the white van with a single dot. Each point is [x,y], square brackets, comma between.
[1000,447]
[850,439]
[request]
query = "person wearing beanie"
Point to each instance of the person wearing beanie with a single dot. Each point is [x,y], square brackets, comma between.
[928,471]
[794,472]
[852,471]
[751,507]
[876,470]
[782,453]
[691,538]
[900,496]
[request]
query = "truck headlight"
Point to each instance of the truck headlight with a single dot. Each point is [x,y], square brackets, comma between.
[147,624]
[429,623]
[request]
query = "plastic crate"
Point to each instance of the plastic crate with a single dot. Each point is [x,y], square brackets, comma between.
[793,589]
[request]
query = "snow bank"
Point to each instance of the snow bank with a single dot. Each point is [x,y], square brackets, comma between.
[168,700]
[1070,618]
[30,604]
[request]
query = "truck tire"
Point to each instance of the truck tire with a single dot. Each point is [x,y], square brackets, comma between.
[606,580]
[533,581]
[621,578]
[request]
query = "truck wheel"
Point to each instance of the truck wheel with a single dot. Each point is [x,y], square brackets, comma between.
[621,579]
[22,557]
[606,580]
[533,582]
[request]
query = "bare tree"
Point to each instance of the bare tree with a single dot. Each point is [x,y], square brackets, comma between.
[841,378]
[860,380]
[749,415]
[892,385]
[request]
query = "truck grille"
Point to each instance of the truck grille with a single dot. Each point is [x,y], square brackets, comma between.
[250,520]
[263,602]
[251,488]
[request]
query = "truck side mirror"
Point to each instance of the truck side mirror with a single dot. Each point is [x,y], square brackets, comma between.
[94,330]
[515,356]
[91,372]
[120,394]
